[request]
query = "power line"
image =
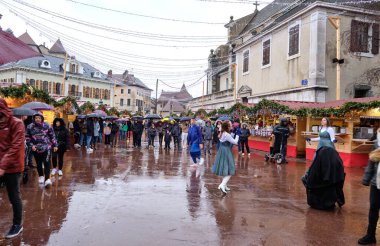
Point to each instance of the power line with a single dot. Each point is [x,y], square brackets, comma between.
[146,16]
[108,28]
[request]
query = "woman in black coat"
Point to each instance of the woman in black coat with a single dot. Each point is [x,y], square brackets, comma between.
[325,179]
[372,178]
[63,141]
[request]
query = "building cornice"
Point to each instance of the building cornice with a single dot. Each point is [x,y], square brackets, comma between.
[322,87]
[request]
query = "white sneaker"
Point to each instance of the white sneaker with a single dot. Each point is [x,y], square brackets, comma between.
[249,154]
[41,180]
[54,171]
[242,154]
[47,183]
[201,161]
[60,173]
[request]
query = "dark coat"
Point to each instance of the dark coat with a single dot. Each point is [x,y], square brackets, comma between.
[175,130]
[325,179]
[90,127]
[371,169]
[244,134]
[62,135]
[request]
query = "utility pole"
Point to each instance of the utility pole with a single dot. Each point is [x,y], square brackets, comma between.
[64,75]
[335,22]
[155,108]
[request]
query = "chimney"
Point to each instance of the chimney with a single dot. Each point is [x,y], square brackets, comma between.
[125,74]
[109,74]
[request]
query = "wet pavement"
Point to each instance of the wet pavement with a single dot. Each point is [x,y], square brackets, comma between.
[127,196]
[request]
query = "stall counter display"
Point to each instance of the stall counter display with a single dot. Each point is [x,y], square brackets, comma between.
[259,139]
[353,144]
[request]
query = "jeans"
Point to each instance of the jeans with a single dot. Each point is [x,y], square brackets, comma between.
[151,140]
[12,182]
[83,137]
[100,138]
[176,142]
[207,146]
[244,143]
[43,159]
[160,137]
[374,208]
[57,157]
[123,135]
[184,139]
[89,139]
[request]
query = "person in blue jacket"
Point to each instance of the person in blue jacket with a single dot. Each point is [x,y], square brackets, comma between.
[195,142]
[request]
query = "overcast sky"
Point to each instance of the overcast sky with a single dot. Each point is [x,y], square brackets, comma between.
[109,50]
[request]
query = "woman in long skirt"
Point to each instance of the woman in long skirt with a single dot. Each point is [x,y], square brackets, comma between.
[224,164]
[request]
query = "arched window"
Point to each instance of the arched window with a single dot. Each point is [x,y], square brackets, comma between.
[32,82]
[58,88]
[45,86]
[73,68]
[97,93]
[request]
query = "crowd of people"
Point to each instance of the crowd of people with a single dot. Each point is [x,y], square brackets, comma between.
[21,141]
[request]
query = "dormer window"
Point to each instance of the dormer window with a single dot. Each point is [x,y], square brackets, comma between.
[73,68]
[96,74]
[45,64]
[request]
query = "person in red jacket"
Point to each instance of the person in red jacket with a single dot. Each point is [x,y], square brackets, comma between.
[12,153]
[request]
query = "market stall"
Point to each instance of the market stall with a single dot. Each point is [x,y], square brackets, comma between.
[354,130]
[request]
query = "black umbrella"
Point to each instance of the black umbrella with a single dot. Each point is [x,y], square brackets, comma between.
[21,111]
[185,119]
[152,117]
[37,106]
[137,117]
[93,115]
[112,117]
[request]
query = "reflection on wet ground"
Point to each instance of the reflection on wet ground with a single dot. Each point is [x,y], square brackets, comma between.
[126,196]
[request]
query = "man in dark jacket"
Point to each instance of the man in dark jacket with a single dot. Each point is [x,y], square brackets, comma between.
[281,132]
[245,133]
[175,134]
[12,154]
[139,128]
[90,134]
[76,130]
[207,137]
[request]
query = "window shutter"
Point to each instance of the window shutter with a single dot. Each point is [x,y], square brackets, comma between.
[53,88]
[375,39]
[49,88]
[77,90]
[354,47]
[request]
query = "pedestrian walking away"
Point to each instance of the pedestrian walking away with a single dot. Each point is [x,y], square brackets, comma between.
[207,136]
[281,133]
[161,132]
[195,143]
[12,154]
[63,141]
[185,132]
[224,164]
[152,132]
[372,178]
[175,135]
[41,138]
[244,136]
[168,138]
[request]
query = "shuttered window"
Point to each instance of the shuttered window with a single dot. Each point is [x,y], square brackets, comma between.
[359,36]
[266,52]
[245,62]
[294,39]
[375,39]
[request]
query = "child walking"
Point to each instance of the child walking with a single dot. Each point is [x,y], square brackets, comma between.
[224,164]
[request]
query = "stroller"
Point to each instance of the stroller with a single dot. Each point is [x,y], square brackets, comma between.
[275,152]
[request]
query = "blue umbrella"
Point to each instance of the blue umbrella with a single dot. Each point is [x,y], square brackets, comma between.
[93,115]
[185,119]
[224,118]
[21,111]
[81,116]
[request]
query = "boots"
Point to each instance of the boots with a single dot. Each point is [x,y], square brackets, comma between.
[367,239]
[223,185]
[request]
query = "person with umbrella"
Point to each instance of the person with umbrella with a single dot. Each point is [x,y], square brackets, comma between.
[160,131]
[12,153]
[76,125]
[152,132]
[41,138]
[63,139]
